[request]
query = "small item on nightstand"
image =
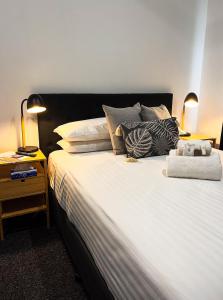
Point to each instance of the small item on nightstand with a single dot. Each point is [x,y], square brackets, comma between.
[10,160]
[17,156]
[8,157]
[26,154]
[23,171]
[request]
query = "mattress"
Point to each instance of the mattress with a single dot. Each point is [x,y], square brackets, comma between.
[152,237]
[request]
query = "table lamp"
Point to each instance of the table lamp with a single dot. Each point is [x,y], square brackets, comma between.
[191,100]
[35,105]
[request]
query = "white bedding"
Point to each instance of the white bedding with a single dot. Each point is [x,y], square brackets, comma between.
[151,236]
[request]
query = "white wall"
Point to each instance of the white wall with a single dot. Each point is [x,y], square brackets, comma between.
[211,99]
[191,114]
[92,46]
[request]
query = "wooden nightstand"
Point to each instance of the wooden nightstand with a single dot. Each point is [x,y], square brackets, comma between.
[200,137]
[23,196]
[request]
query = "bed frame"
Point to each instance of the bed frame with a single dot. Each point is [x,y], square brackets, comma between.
[63,108]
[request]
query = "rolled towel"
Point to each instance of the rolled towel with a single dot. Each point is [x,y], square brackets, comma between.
[194,148]
[200,167]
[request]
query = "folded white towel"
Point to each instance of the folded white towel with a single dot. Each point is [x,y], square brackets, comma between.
[200,167]
[194,148]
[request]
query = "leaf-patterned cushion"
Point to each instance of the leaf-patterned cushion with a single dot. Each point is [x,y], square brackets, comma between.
[153,138]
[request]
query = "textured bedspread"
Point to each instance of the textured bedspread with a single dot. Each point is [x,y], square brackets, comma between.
[152,237]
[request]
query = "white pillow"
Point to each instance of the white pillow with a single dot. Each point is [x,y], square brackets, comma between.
[85,130]
[87,146]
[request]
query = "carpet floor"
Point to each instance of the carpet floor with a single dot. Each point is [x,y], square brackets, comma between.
[34,264]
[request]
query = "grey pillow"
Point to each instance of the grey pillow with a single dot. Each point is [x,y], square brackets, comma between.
[154,113]
[116,116]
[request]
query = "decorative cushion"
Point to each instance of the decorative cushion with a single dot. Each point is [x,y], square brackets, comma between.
[115,116]
[84,130]
[87,146]
[154,113]
[153,138]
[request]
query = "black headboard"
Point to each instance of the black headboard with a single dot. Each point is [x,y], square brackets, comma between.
[63,108]
[221,141]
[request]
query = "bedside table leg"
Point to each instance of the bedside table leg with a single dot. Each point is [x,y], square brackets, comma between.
[1,231]
[1,224]
[47,212]
[48,219]
[47,196]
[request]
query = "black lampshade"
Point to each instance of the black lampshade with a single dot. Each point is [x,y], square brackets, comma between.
[191,100]
[35,104]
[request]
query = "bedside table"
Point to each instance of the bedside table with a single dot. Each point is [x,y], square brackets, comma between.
[199,137]
[23,196]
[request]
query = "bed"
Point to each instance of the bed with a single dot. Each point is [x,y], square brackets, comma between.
[132,232]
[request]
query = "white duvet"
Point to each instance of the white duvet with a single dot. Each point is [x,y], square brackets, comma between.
[172,229]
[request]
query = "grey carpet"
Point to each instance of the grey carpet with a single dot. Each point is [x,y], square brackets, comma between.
[34,264]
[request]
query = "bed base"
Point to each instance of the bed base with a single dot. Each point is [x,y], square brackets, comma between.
[81,257]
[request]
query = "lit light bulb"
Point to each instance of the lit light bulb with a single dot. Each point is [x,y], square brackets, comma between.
[191,103]
[36,109]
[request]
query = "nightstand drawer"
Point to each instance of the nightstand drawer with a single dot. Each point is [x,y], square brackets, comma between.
[11,189]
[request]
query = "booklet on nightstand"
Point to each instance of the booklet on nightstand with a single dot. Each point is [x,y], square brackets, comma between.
[10,157]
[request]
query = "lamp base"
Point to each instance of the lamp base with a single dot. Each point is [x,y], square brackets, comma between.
[28,149]
[185,134]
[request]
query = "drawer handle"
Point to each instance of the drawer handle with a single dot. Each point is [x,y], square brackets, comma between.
[23,180]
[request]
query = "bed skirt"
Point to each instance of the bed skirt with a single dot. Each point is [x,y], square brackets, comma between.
[81,257]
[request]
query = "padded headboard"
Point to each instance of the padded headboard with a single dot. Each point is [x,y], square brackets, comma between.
[221,141]
[63,108]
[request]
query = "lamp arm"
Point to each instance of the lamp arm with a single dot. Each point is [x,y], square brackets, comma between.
[23,124]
